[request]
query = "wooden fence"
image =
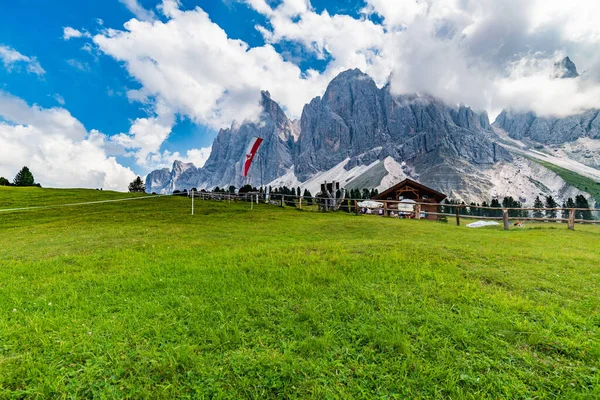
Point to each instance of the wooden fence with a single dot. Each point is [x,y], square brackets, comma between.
[390,208]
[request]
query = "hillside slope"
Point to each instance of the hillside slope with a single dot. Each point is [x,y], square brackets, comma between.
[141,299]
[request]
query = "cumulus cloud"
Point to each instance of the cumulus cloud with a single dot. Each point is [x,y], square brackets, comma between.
[59,99]
[196,156]
[463,51]
[144,139]
[190,64]
[80,65]
[13,60]
[56,147]
[70,33]
[136,9]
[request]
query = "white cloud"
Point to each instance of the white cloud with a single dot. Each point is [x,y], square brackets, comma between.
[56,147]
[59,99]
[144,139]
[196,156]
[70,33]
[80,65]
[136,9]
[463,51]
[190,64]
[12,59]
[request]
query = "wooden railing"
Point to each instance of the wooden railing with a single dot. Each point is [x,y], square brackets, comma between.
[390,206]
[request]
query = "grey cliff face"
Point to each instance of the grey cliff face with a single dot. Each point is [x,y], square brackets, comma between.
[347,121]
[355,117]
[549,130]
[450,148]
[157,180]
[224,166]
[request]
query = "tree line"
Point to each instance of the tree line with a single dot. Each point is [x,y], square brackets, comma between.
[515,206]
[23,178]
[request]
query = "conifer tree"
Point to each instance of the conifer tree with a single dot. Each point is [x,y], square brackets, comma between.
[581,202]
[537,203]
[308,197]
[496,204]
[551,203]
[137,186]
[564,213]
[569,204]
[485,212]
[24,178]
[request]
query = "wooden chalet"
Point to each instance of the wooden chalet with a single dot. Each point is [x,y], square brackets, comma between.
[412,190]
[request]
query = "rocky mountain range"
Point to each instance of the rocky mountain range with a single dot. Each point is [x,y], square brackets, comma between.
[365,136]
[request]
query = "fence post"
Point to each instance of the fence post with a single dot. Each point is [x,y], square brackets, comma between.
[457,215]
[282,200]
[417,211]
[505,219]
[356,206]
[300,202]
[192,202]
[572,219]
[385,209]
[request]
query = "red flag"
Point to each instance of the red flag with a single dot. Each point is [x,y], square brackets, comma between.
[250,153]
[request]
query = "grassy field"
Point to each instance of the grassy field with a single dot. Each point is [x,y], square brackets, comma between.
[139,299]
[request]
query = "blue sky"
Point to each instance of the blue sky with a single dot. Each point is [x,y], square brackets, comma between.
[96,94]
[93,86]
[140,83]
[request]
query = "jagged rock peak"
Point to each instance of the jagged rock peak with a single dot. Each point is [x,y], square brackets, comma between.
[348,76]
[565,68]
[181,166]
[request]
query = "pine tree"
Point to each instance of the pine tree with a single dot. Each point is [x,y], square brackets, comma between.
[569,204]
[366,194]
[24,178]
[551,203]
[308,197]
[485,212]
[564,213]
[298,192]
[232,189]
[495,204]
[245,189]
[137,186]
[537,203]
[581,202]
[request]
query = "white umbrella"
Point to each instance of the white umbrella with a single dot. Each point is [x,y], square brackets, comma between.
[407,205]
[370,204]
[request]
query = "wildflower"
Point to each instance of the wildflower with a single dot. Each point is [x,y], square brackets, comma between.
[14,310]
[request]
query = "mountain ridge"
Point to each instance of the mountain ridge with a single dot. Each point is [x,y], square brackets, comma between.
[356,125]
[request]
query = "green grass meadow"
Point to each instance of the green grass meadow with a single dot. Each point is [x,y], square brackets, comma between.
[140,299]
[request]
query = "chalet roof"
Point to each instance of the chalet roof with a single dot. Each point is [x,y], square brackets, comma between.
[414,184]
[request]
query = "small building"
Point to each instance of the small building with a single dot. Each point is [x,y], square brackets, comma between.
[412,190]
